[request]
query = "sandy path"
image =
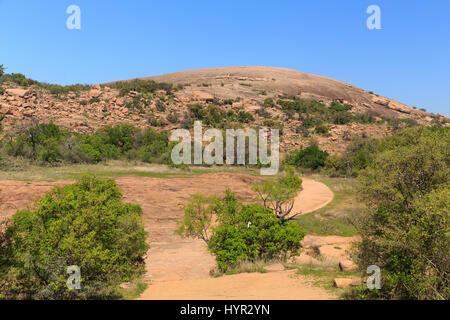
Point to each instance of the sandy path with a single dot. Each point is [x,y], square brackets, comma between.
[315,195]
[245,286]
[179,268]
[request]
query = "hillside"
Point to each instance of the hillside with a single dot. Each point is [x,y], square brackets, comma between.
[305,107]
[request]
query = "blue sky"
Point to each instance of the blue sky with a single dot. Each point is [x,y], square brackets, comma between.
[408,59]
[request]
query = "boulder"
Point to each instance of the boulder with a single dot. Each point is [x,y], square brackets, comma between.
[17,92]
[347,265]
[200,95]
[342,282]
[95,93]
[399,107]
[381,101]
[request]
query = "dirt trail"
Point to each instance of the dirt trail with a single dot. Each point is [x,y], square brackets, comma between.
[179,268]
[315,195]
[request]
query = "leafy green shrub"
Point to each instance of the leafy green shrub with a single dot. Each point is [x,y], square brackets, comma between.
[338,107]
[267,237]
[364,118]
[342,117]
[322,129]
[172,117]
[83,224]
[244,117]
[47,143]
[2,117]
[39,142]
[142,86]
[54,89]
[310,158]
[153,146]
[406,231]
[268,103]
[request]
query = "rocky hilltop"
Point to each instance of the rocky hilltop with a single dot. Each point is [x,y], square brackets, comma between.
[255,94]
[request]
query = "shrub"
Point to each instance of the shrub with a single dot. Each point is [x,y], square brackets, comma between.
[172,117]
[364,118]
[406,231]
[338,107]
[322,129]
[267,237]
[142,86]
[268,103]
[244,117]
[83,224]
[342,117]
[48,144]
[39,142]
[310,158]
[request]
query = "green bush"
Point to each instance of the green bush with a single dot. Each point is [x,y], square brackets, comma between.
[322,129]
[244,117]
[84,224]
[40,142]
[342,117]
[309,158]
[268,103]
[142,86]
[48,144]
[407,229]
[267,237]
[338,107]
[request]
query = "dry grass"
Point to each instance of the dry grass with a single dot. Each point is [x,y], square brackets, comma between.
[113,168]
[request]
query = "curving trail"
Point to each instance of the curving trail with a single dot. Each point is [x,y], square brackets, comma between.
[315,195]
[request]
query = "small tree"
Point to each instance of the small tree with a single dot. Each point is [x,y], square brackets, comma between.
[279,195]
[197,220]
[2,70]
